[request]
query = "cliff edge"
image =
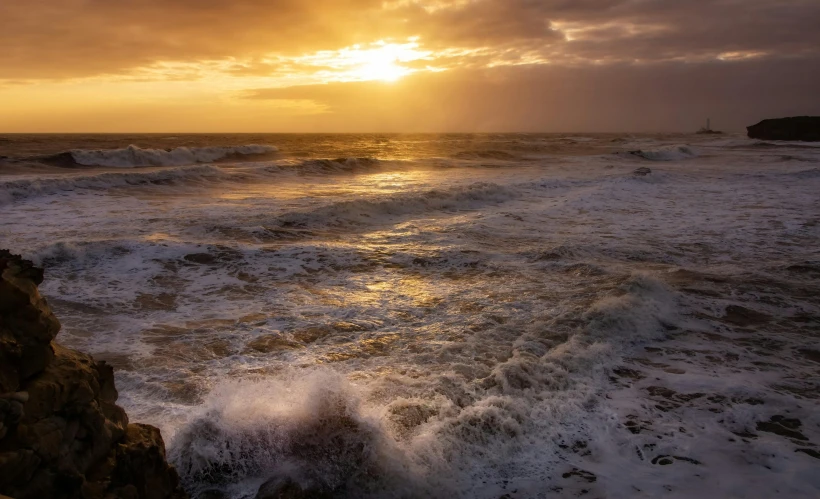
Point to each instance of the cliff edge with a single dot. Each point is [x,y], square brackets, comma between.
[796,128]
[61,433]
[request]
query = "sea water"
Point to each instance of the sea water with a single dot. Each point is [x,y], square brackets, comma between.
[501,315]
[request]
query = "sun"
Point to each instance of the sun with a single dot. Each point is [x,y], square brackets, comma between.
[382,61]
[383,69]
[376,61]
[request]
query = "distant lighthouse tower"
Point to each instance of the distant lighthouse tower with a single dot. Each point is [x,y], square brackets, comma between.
[708,129]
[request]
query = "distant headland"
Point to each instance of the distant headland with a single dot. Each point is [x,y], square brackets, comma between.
[797,128]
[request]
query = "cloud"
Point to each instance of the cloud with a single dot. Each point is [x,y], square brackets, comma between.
[618,97]
[470,65]
[81,38]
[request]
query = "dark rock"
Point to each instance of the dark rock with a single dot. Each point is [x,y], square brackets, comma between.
[642,172]
[27,326]
[61,433]
[802,128]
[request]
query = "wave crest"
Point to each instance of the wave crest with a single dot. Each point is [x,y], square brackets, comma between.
[133,156]
[14,190]
[366,211]
[667,153]
[338,165]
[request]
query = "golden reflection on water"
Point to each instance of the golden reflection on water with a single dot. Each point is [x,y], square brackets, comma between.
[358,184]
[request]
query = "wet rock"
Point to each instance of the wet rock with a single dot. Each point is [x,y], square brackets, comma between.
[141,464]
[801,128]
[61,432]
[642,172]
[27,325]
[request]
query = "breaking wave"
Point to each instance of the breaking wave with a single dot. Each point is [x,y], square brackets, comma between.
[15,190]
[133,156]
[668,153]
[366,211]
[454,437]
[310,428]
[193,175]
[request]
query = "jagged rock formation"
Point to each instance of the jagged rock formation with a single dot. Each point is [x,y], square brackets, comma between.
[802,128]
[61,433]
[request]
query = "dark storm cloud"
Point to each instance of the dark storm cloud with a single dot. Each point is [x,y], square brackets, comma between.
[70,38]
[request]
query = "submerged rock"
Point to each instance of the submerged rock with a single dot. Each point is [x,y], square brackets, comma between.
[799,128]
[61,433]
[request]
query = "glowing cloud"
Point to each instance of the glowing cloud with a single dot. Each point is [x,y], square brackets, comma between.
[381,60]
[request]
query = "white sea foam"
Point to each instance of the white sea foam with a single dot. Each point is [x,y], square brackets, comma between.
[316,429]
[400,329]
[133,156]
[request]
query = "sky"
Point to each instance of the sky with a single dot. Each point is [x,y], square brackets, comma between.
[405,65]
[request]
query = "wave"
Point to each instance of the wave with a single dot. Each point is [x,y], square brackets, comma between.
[337,165]
[445,436]
[366,211]
[486,154]
[310,428]
[781,145]
[811,173]
[133,156]
[667,153]
[15,190]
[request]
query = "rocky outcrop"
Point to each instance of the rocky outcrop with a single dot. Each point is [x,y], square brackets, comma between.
[798,128]
[61,433]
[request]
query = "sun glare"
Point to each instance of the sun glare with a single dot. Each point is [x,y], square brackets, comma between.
[381,68]
[383,62]
[378,61]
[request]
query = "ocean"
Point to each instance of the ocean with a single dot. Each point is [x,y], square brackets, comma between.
[455,316]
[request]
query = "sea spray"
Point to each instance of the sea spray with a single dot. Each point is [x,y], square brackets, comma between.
[308,426]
